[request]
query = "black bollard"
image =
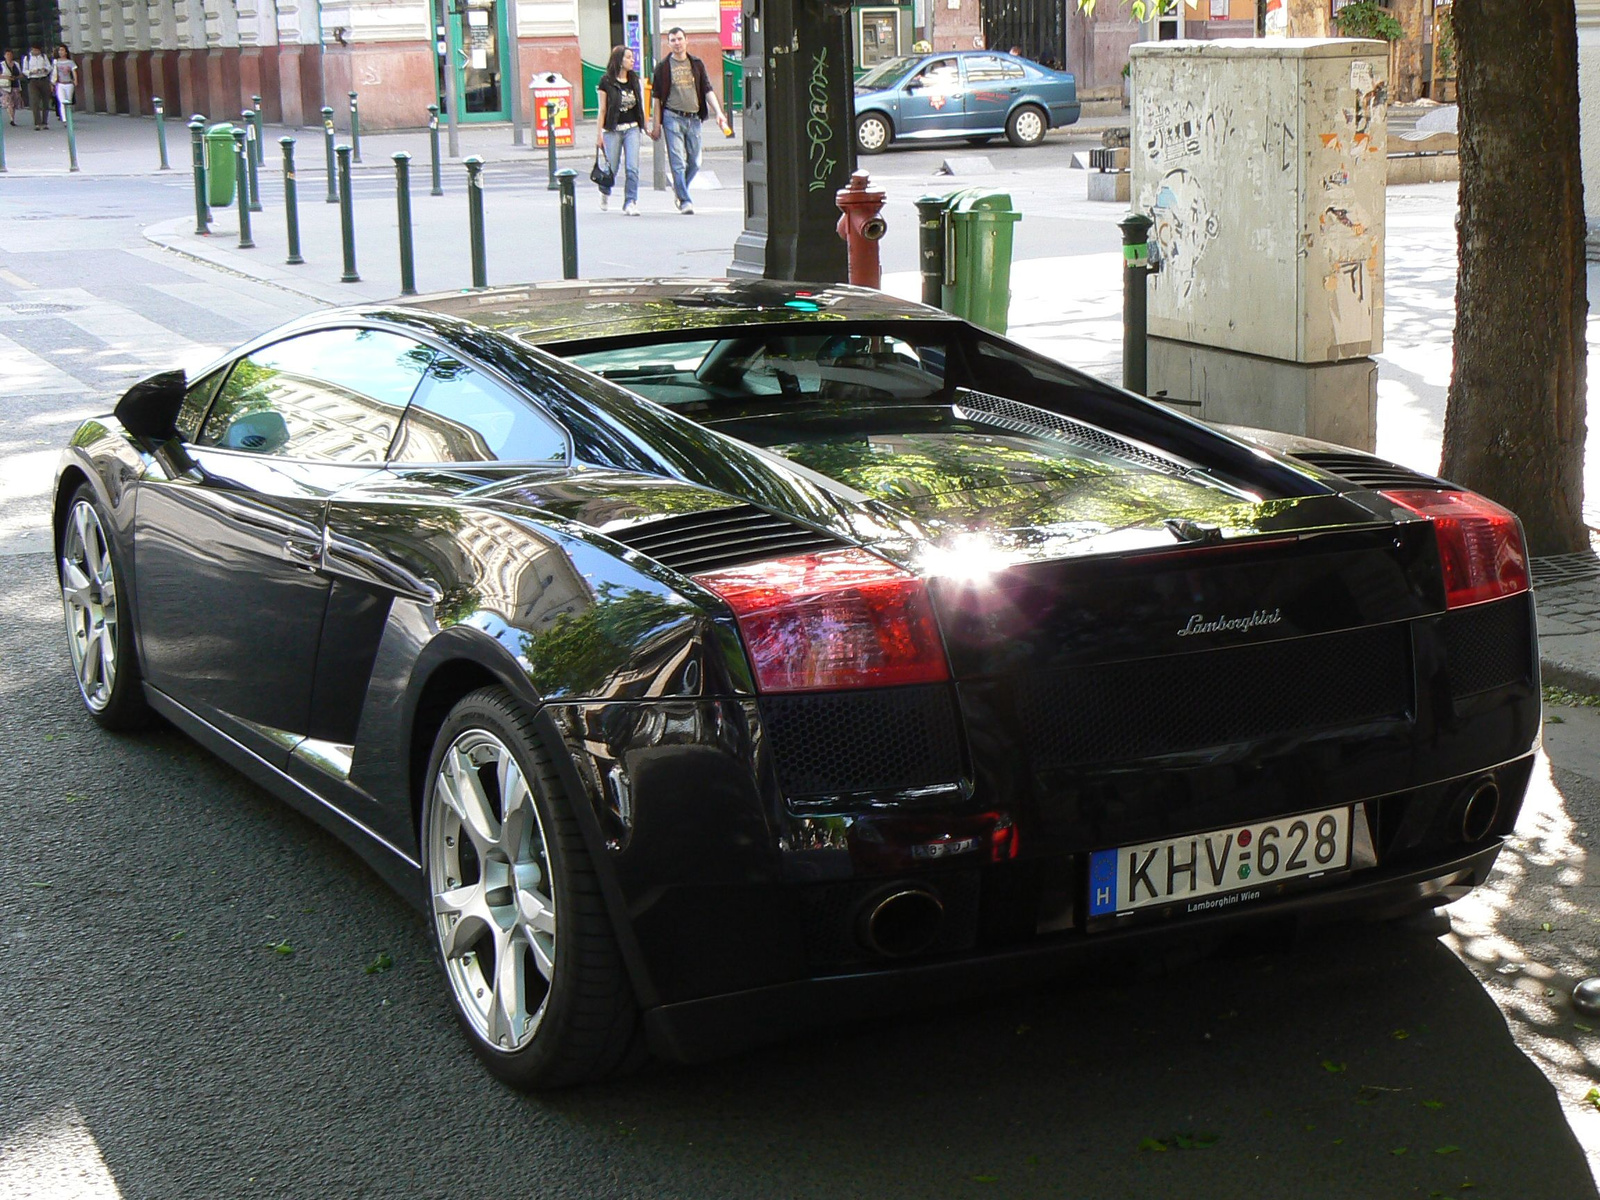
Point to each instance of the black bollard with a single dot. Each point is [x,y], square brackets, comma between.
[241,156]
[402,205]
[433,146]
[480,261]
[249,164]
[327,146]
[930,246]
[355,129]
[347,218]
[1135,296]
[550,141]
[202,212]
[161,134]
[569,223]
[257,144]
[291,202]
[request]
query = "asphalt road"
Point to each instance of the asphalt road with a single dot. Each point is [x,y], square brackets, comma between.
[186,1005]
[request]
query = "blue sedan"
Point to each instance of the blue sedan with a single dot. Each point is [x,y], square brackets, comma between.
[972,94]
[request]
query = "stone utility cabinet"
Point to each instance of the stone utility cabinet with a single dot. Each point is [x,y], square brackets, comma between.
[1263,165]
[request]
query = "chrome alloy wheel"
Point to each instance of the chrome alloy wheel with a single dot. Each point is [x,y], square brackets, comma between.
[89,602]
[494,902]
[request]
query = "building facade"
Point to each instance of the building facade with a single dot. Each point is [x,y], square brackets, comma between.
[212,56]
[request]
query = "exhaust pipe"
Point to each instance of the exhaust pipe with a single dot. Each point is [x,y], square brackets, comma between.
[1479,811]
[901,922]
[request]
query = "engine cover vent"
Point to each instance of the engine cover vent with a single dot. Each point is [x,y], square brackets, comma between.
[1365,471]
[1025,418]
[724,537]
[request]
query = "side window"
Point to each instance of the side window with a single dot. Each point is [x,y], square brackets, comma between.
[462,415]
[195,402]
[941,75]
[336,394]
[986,68]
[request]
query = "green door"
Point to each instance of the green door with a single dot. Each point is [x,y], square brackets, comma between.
[482,80]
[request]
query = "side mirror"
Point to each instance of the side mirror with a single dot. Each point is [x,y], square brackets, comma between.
[149,409]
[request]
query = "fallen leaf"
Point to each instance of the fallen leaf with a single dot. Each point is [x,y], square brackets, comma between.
[1546,927]
[1398,1151]
[380,964]
[283,947]
[1153,1144]
[1400,1035]
[1331,1067]
[1578,1025]
[1447,1150]
[1436,1105]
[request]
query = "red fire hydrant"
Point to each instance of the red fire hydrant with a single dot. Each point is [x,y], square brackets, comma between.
[862,226]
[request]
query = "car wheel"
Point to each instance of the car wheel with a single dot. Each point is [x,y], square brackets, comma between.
[519,924]
[98,635]
[873,133]
[1027,126]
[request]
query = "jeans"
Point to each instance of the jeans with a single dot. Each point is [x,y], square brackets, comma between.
[683,150]
[622,147]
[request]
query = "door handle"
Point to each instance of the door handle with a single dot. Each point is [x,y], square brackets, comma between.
[301,554]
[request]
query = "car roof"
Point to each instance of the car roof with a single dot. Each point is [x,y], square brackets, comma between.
[583,310]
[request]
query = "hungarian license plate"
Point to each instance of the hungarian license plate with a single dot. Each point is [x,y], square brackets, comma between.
[1205,872]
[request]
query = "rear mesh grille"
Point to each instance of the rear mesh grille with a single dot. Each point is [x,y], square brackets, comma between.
[1157,706]
[874,740]
[1372,473]
[1025,418]
[726,537]
[1487,646]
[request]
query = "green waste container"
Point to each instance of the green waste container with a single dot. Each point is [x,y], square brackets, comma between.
[979,227]
[221,164]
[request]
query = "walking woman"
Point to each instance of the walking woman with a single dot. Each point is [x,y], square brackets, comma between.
[621,115]
[11,85]
[64,77]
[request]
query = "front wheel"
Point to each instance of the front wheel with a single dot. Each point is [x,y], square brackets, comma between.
[519,924]
[1027,126]
[873,133]
[99,635]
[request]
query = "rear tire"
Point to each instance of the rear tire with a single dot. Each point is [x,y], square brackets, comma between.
[99,633]
[1027,126]
[873,133]
[544,1004]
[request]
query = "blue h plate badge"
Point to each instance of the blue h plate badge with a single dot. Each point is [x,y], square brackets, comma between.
[1102,883]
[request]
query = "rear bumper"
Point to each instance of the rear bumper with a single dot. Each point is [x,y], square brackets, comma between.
[696,1030]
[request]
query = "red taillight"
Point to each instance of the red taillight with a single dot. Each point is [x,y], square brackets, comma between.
[842,619]
[1480,544]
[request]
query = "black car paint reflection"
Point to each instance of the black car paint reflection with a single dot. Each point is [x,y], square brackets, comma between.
[315,620]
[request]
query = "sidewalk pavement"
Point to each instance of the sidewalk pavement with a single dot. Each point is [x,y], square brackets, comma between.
[1066,280]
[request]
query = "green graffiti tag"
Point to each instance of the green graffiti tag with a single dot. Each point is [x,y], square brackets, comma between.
[818,128]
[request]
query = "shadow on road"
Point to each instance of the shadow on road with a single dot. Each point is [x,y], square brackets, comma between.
[194,1005]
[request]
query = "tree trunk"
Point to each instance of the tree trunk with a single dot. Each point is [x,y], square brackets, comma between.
[1514,425]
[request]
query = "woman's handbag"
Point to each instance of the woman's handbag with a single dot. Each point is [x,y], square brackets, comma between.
[601,172]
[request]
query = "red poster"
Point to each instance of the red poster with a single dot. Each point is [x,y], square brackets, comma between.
[732,24]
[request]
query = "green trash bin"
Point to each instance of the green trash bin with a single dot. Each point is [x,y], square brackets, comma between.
[979,227]
[221,165]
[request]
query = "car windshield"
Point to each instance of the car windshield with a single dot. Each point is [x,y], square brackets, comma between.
[886,74]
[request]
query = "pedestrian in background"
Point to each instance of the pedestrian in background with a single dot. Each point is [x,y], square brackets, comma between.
[11,85]
[620,118]
[36,70]
[683,99]
[64,80]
